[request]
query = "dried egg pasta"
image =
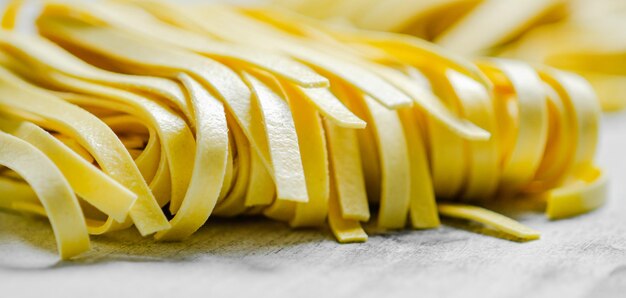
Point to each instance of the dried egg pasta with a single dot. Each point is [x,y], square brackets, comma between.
[138,109]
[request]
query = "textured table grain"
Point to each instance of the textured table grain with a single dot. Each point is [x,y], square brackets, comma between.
[580,257]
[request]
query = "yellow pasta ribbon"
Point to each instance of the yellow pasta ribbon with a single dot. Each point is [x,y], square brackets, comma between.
[209,165]
[53,191]
[487,217]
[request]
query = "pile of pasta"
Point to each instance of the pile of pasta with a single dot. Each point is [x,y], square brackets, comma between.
[583,36]
[160,115]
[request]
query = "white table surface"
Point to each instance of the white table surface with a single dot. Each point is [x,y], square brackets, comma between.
[580,257]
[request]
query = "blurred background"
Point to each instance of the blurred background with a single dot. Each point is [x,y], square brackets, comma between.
[584,36]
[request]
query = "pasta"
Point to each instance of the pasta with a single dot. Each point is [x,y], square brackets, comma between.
[157,115]
[583,36]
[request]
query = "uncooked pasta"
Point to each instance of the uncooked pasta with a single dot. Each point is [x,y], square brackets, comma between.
[159,115]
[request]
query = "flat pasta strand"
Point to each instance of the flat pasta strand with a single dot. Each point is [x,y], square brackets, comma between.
[53,191]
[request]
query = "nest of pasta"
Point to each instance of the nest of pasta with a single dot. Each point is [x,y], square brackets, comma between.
[158,115]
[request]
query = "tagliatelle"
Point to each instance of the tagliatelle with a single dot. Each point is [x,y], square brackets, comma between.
[135,106]
[17,195]
[86,180]
[394,165]
[282,141]
[588,193]
[345,230]
[526,147]
[312,144]
[490,218]
[232,199]
[209,165]
[346,169]
[52,190]
[49,54]
[585,36]
[51,112]
[353,73]
[134,19]
[422,205]
[175,136]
